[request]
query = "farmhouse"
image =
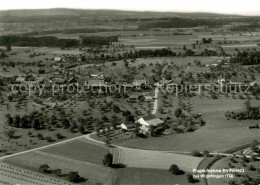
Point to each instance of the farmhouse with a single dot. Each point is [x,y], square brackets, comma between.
[148,122]
[134,97]
[148,98]
[58,80]
[57,59]
[96,76]
[20,79]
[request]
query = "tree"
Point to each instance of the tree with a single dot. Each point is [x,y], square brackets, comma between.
[40,136]
[44,168]
[59,135]
[255,146]
[174,169]
[65,123]
[191,179]
[10,133]
[196,153]
[24,122]
[81,129]
[73,176]
[178,112]
[57,172]
[206,153]
[36,124]
[9,119]
[108,160]
[17,121]
[10,98]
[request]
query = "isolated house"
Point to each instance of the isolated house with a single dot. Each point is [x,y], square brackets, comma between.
[148,98]
[96,76]
[20,79]
[148,122]
[58,80]
[57,59]
[134,97]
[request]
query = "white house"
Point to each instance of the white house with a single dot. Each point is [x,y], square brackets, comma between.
[57,59]
[147,122]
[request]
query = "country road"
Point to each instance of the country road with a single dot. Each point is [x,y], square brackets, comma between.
[155,105]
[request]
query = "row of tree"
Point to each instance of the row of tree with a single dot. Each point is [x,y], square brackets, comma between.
[246,58]
[51,41]
[177,22]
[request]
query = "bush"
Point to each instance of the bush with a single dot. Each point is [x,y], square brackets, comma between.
[75,177]
[191,179]
[44,168]
[108,160]
[178,112]
[197,154]
[252,168]
[174,169]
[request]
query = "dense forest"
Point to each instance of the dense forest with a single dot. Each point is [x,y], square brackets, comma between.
[46,41]
[98,40]
[182,23]
[68,31]
[251,27]
[50,41]
[247,58]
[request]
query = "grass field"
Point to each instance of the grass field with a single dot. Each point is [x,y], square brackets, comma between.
[80,150]
[154,159]
[223,163]
[148,176]
[218,133]
[77,156]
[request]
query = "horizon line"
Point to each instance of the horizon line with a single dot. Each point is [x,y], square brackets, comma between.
[240,13]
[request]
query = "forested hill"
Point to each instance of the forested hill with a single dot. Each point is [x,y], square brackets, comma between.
[183,23]
[44,15]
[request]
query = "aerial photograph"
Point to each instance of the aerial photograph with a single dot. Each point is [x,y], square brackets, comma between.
[129,92]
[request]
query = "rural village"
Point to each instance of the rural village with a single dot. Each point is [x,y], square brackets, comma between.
[124,97]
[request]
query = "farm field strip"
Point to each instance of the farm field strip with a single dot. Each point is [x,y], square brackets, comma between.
[79,150]
[43,147]
[240,46]
[155,159]
[10,174]
[33,160]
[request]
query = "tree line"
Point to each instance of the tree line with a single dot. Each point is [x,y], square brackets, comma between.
[246,58]
[45,41]
[177,22]
[51,41]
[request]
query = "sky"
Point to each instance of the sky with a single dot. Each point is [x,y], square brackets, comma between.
[248,7]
